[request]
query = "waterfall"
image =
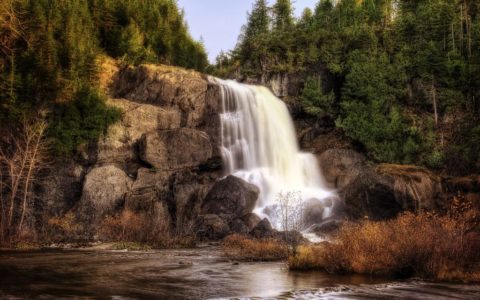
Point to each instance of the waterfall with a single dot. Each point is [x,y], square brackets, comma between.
[259,145]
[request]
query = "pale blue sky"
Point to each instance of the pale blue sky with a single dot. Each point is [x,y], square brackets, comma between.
[219,21]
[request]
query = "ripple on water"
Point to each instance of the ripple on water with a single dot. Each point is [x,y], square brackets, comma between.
[201,273]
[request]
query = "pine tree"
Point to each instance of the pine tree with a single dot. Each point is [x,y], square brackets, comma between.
[283,16]
[253,41]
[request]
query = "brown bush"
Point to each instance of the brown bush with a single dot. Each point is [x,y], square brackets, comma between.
[60,228]
[423,245]
[129,226]
[241,247]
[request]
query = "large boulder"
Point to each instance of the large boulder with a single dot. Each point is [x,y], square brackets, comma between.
[370,195]
[148,189]
[104,191]
[166,86]
[231,197]
[212,227]
[414,187]
[379,191]
[382,192]
[263,229]
[341,166]
[175,149]
[119,143]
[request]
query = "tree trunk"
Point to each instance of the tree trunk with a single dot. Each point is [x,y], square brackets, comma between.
[434,100]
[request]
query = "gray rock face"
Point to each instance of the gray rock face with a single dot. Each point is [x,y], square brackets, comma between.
[263,230]
[231,197]
[175,149]
[379,191]
[105,189]
[160,159]
[119,143]
[341,166]
[212,227]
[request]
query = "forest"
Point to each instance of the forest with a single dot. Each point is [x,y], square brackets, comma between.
[401,77]
[50,51]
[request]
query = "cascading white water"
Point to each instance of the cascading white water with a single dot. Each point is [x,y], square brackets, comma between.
[259,145]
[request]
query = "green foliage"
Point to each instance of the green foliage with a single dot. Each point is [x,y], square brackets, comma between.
[390,68]
[50,55]
[82,120]
[316,103]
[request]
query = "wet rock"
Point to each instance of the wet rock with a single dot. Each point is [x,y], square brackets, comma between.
[212,227]
[251,220]
[313,211]
[231,197]
[414,187]
[326,227]
[263,230]
[175,149]
[238,226]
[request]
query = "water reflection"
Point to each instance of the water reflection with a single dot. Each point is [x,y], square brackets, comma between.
[190,274]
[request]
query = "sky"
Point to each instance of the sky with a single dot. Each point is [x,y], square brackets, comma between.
[219,22]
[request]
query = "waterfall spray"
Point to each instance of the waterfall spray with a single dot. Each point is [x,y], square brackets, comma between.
[259,145]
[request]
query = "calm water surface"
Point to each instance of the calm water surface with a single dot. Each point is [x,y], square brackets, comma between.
[190,274]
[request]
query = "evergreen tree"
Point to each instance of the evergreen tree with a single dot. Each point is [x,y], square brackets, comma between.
[283,16]
[252,45]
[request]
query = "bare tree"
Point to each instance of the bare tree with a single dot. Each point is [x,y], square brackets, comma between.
[291,211]
[23,153]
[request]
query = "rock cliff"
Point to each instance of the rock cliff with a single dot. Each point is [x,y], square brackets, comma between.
[162,158]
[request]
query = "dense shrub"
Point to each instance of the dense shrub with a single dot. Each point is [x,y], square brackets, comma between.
[130,227]
[423,245]
[242,247]
[82,120]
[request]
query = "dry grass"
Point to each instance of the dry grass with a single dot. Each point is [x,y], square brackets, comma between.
[422,245]
[61,228]
[240,247]
[142,228]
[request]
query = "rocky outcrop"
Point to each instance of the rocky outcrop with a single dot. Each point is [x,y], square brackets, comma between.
[381,191]
[161,158]
[341,166]
[104,191]
[232,201]
[175,149]
[232,197]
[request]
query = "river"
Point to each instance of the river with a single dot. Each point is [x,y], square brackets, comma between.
[202,273]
